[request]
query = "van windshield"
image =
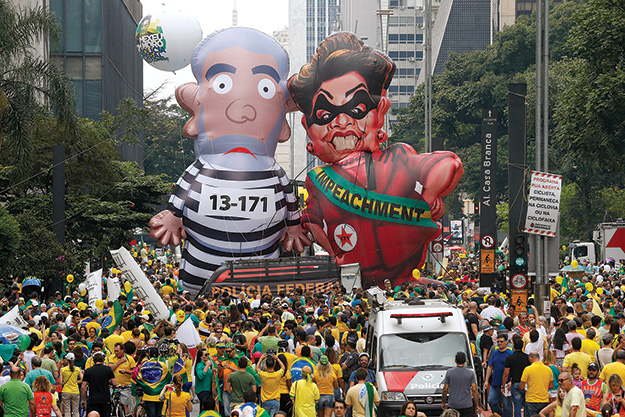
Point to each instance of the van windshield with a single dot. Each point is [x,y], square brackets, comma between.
[421,350]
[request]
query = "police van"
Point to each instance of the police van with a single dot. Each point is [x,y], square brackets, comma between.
[412,343]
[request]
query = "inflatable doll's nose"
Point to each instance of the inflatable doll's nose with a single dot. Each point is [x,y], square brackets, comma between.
[240,112]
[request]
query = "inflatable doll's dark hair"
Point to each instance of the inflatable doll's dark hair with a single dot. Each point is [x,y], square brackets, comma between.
[338,55]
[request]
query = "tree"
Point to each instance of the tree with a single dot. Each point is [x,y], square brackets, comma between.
[9,239]
[26,78]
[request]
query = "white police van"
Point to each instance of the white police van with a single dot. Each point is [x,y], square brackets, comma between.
[412,343]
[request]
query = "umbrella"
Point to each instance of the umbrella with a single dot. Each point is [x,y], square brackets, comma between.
[30,285]
[579,268]
[456,247]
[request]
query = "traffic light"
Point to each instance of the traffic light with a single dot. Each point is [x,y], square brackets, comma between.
[518,254]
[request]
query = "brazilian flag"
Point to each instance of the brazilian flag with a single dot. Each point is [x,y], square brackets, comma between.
[85,349]
[114,317]
[179,369]
[296,368]
[152,377]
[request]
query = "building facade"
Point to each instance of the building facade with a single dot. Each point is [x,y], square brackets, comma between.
[98,53]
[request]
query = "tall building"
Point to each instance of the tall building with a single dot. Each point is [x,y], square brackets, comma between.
[98,53]
[310,22]
[405,47]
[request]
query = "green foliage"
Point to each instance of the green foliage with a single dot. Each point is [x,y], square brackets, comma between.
[166,150]
[586,99]
[25,78]
[9,239]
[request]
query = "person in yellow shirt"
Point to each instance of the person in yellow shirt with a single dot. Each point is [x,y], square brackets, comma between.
[305,395]
[537,380]
[326,381]
[577,356]
[177,402]
[589,346]
[270,382]
[113,339]
[71,376]
[97,347]
[122,366]
[616,367]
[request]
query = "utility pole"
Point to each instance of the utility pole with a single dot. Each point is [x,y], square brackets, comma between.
[541,288]
[427,49]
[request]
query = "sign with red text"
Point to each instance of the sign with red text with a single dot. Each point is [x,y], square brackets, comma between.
[543,204]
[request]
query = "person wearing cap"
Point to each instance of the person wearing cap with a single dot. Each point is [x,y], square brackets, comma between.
[70,380]
[363,362]
[537,380]
[461,385]
[593,388]
[486,342]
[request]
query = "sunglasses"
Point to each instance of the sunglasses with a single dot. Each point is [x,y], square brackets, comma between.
[562,380]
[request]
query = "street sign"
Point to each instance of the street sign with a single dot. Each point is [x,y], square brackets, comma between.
[487,261]
[543,204]
[518,281]
[488,241]
[437,247]
[519,300]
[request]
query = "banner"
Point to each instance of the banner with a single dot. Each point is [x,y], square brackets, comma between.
[543,204]
[14,318]
[142,286]
[488,198]
[94,287]
[273,288]
[187,334]
[113,288]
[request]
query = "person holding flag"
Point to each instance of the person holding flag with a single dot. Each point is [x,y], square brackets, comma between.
[152,378]
[363,398]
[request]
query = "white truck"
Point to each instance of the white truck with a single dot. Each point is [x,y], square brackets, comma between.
[610,237]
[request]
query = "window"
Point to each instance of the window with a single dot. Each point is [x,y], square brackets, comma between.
[402,38]
[419,351]
[73,26]
[93,25]
[402,55]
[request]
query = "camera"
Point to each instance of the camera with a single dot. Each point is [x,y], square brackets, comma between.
[270,351]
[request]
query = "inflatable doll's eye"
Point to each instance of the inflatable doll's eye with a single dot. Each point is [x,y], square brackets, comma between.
[222,84]
[266,88]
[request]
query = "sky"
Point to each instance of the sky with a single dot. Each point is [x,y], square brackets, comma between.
[265,15]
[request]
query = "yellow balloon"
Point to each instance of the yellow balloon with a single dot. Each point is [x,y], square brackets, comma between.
[575,264]
[180,315]
[150,262]
[83,293]
[416,273]
[563,247]
[462,256]
[99,304]
[589,286]
[70,278]
[559,279]
[134,254]
[127,287]
[600,291]
[82,306]
[146,312]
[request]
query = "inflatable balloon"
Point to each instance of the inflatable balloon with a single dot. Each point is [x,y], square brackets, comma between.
[238,113]
[134,254]
[82,286]
[607,268]
[599,279]
[70,278]
[416,274]
[378,206]
[462,255]
[82,306]
[99,304]
[166,41]
[127,287]
[600,291]
[589,286]
[23,342]
[574,264]
[559,279]
[180,315]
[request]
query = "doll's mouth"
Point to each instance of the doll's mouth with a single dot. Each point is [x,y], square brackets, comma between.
[345,142]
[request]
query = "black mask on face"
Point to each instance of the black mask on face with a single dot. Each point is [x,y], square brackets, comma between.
[350,108]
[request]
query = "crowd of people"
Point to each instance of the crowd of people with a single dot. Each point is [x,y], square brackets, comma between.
[303,354]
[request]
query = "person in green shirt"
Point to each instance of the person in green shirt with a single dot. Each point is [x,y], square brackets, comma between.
[16,396]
